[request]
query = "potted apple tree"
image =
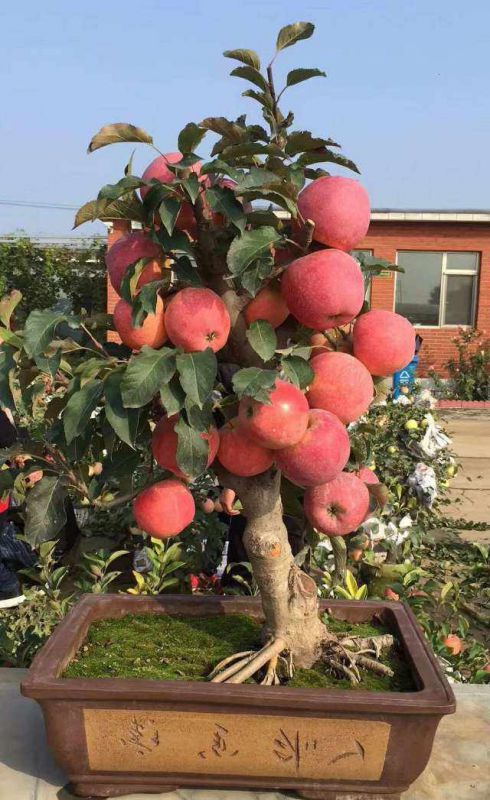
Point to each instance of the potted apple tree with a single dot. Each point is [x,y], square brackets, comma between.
[235,264]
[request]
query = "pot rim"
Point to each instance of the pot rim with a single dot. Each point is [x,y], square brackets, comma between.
[433,697]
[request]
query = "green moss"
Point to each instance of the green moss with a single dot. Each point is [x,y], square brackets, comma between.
[187,648]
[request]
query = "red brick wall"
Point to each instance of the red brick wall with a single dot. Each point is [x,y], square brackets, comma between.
[120,227]
[386,237]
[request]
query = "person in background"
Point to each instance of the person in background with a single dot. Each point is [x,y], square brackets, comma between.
[14,553]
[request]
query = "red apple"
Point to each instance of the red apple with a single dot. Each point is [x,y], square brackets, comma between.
[268,304]
[341,385]
[164,509]
[338,507]
[129,249]
[324,289]
[207,505]
[320,455]
[453,644]
[339,207]
[281,423]
[367,475]
[239,454]
[158,169]
[164,443]
[197,319]
[383,341]
[152,332]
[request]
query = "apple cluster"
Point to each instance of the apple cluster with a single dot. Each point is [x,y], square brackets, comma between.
[303,433]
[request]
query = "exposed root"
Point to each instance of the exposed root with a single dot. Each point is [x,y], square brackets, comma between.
[373,644]
[271,678]
[345,656]
[374,666]
[244,665]
[229,660]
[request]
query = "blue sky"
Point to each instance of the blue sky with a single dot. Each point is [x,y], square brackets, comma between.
[407,92]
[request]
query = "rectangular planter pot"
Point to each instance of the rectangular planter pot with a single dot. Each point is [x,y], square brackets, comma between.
[116,736]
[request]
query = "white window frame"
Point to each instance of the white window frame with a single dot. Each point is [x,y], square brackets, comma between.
[369,251]
[474,273]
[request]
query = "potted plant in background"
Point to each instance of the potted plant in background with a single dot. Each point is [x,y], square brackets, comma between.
[215,371]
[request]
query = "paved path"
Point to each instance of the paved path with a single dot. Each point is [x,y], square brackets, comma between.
[470,489]
[458,770]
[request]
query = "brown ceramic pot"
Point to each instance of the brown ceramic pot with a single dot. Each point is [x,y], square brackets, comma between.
[115,736]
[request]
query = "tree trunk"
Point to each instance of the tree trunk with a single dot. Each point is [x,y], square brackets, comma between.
[289,596]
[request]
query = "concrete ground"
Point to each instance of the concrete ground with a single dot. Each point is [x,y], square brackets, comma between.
[459,768]
[470,488]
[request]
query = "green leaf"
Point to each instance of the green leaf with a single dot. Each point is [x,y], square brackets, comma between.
[129,283]
[263,98]
[313,174]
[190,138]
[200,419]
[255,178]
[80,407]
[298,75]
[39,330]
[249,57]
[253,276]
[8,304]
[225,128]
[197,372]
[362,592]
[223,201]
[118,132]
[192,186]
[217,166]
[325,155]
[6,482]
[192,450]
[247,248]
[351,583]
[379,492]
[303,141]
[123,421]
[185,272]
[253,75]
[7,367]
[113,191]
[298,371]
[50,365]
[8,337]
[172,396]
[156,194]
[177,243]
[281,193]
[128,207]
[168,211]
[146,299]
[262,338]
[146,373]
[45,513]
[251,149]
[291,34]
[254,382]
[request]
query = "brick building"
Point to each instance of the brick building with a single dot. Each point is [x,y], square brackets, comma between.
[446,284]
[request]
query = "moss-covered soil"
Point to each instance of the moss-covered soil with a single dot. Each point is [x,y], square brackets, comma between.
[187,648]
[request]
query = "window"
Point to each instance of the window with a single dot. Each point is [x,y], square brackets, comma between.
[437,288]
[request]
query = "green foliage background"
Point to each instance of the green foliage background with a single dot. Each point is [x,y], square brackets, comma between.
[48,273]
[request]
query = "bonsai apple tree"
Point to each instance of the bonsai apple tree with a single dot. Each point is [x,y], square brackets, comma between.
[245,349]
